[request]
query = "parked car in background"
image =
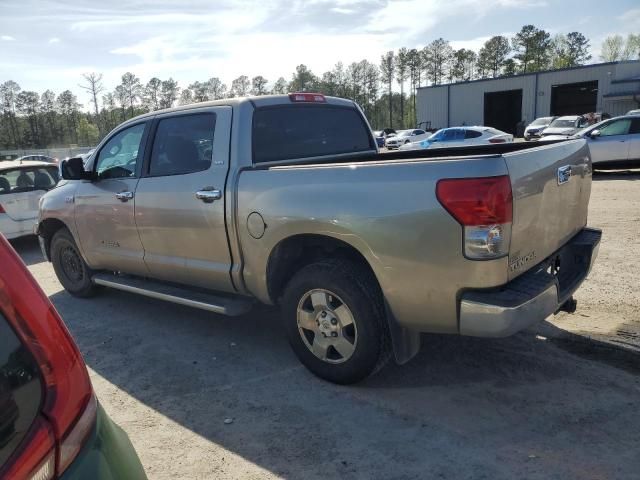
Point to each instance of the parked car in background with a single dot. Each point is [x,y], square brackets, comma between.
[460,137]
[535,128]
[633,112]
[614,143]
[22,183]
[51,425]
[38,158]
[567,125]
[293,205]
[379,136]
[403,137]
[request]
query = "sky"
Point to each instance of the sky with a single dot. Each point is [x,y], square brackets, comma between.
[49,44]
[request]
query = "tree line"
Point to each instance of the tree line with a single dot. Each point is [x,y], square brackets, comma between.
[386,92]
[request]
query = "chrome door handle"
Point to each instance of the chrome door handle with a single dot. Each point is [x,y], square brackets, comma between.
[124,196]
[208,195]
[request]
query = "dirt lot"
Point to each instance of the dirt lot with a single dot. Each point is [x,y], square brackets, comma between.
[550,404]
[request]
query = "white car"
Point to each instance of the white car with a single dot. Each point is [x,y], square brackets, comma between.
[22,183]
[567,125]
[535,128]
[460,137]
[403,137]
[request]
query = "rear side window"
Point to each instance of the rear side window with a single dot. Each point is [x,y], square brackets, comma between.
[287,132]
[472,134]
[183,144]
[28,179]
[20,391]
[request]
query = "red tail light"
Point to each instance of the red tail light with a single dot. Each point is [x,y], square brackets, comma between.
[477,201]
[484,208]
[497,140]
[307,97]
[2,209]
[69,406]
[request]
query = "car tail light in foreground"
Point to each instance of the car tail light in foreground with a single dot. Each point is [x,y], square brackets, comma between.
[2,209]
[69,406]
[484,208]
[307,97]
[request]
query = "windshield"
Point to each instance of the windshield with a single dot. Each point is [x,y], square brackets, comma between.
[403,133]
[28,179]
[541,121]
[563,124]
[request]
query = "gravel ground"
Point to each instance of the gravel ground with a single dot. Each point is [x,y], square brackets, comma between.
[556,402]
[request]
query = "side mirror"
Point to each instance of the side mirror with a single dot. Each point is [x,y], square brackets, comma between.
[594,133]
[73,169]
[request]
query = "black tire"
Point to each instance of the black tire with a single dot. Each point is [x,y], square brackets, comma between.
[354,286]
[71,269]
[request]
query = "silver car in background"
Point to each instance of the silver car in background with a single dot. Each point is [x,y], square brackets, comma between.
[614,143]
[535,128]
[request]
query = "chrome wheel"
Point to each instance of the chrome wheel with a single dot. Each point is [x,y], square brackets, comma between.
[326,326]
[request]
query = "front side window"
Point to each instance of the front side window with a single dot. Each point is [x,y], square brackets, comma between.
[27,179]
[119,157]
[183,144]
[617,127]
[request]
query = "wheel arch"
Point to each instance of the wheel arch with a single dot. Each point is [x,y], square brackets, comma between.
[296,251]
[47,228]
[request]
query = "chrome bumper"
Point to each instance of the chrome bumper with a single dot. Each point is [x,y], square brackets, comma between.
[534,295]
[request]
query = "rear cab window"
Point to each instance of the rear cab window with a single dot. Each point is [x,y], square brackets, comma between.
[287,132]
[28,179]
[20,391]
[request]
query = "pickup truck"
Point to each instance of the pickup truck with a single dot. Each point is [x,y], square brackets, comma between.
[285,200]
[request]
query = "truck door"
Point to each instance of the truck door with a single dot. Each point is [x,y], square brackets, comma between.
[180,199]
[104,207]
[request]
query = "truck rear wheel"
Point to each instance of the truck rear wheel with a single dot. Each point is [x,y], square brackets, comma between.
[72,271]
[334,319]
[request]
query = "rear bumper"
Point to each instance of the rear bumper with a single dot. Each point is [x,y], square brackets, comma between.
[106,455]
[534,295]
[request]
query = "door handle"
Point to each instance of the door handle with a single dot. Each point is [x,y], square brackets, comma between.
[124,196]
[208,194]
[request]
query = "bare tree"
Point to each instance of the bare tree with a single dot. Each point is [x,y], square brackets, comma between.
[259,85]
[216,89]
[240,86]
[387,71]
[152,93]
[402,70]
[94,86]
[279,87]
[168,93]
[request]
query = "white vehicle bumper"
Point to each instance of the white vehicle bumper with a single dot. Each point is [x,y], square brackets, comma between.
[16,228]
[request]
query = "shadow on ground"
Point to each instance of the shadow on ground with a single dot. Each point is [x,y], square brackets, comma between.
[464,408]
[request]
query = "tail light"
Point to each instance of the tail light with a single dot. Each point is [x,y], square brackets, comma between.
[69,405]
[497,140]
[307,97]
[484,208]
[2,209]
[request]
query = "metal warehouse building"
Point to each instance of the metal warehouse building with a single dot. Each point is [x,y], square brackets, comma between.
[612,88]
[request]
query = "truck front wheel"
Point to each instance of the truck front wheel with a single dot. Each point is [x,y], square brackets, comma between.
[334,319]
[72,271]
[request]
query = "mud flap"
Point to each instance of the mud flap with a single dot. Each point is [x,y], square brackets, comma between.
[406,343]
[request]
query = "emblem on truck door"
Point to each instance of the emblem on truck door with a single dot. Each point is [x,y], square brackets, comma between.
[564,174]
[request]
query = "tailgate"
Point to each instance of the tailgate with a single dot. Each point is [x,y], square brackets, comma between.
[551,188]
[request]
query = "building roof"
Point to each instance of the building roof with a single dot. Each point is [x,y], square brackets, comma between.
[542,72]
